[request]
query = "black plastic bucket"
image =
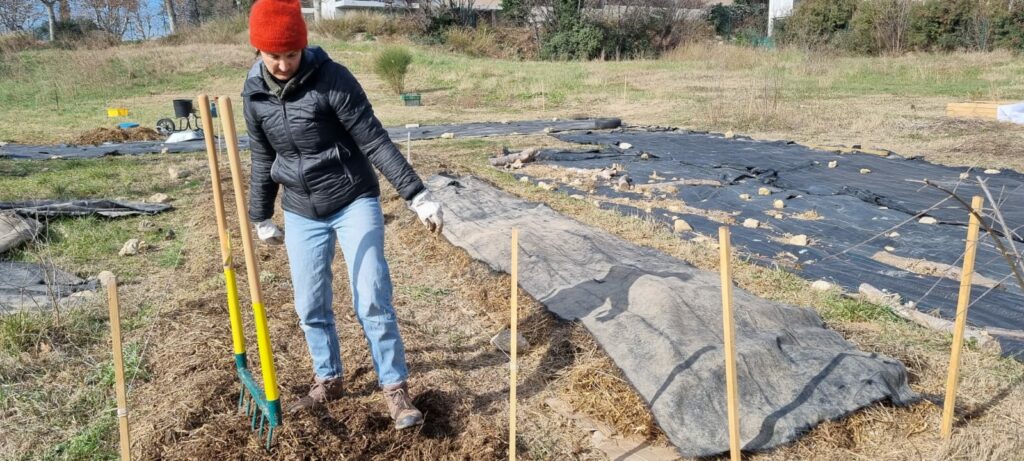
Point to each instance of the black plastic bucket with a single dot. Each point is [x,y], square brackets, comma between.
[182,107]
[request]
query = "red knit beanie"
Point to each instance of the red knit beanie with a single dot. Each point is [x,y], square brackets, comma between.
[276,26]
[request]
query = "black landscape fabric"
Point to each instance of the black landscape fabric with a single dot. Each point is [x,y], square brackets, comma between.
[32,287]
[850,210]
[77,208]
[660,321]
[398,135]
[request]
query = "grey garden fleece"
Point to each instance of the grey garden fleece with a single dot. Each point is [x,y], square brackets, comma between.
[660,320]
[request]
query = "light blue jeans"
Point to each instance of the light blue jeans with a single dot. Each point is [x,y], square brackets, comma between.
[359,228]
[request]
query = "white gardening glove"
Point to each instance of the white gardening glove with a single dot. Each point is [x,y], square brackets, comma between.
[429,211]
[268,232]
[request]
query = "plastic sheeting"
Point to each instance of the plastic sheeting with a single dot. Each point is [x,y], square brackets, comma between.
[398,134]
[1011,113]
[106,208]
[660,321]
[27,286]
[864,205]
[16,230]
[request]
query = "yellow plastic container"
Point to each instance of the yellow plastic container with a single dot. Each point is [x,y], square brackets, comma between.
[111,112]
[117,112]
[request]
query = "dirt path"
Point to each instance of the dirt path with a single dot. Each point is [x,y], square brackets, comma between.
[449,306]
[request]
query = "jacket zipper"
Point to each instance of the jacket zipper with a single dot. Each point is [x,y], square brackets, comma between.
[301,172]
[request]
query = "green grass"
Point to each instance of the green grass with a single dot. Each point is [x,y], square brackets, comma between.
[93,442]
[88,245]
[424,292]
[60,88]
[134,368]
[77,328]
[112,177]
[836,307]
[87,408]
[172,256]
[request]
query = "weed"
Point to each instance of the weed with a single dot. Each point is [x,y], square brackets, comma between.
[134,368]
[836,307]
[91,443]
[27,331]
[172,256]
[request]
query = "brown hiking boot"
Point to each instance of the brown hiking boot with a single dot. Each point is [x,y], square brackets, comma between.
[400,406]
[321,392]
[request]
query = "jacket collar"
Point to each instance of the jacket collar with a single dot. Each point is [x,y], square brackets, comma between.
[313,58]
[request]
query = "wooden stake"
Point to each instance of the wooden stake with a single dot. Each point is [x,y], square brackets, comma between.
[119,388]
[514,308]
[729,334]
[408,148]
[544,95]
[962,303]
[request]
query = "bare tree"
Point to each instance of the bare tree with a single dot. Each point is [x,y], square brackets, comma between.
[172,20]
[112,16]
[892,25]
[15,14]
[51,16]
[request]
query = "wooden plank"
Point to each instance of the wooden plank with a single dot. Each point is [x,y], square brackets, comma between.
[977,109]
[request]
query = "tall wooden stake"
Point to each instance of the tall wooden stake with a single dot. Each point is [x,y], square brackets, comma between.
[729,334]
[962,303]
[408,148]
[119,388]
[544,95]
[514,307]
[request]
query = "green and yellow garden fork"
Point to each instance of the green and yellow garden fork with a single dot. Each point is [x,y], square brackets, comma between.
[261,405]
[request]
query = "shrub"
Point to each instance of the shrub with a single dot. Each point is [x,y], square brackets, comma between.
[1008,28]
[576,40]
[231,30]
[881,26]
[391,65]
[78,33]
[436,17]
[373,24]
[516,12]
[743,16]
[18,41]
[640,29]
[943,25]
[817,23]
[480,41]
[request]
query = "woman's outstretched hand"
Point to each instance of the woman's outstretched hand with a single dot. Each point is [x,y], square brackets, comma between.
[268,232]
[429,211]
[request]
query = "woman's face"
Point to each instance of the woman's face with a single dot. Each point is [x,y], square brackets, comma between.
[282,65]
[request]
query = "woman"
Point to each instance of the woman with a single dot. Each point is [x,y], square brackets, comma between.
[312,130]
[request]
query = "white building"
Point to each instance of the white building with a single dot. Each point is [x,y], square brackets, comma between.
[779,9]
[331,9]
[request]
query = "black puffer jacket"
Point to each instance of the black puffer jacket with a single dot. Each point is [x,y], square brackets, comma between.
[318,142]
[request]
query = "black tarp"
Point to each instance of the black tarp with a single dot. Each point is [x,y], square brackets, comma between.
[76,208]
[398,134]
[858,212]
